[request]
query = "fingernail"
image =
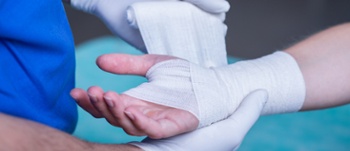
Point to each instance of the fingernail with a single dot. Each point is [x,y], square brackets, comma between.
[109,101]
[129,115]
[93,98]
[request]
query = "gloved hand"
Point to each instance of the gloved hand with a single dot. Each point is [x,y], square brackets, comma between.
[113,14]
[211,6]
[226,135]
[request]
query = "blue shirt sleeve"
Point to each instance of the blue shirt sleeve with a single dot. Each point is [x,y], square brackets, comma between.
[37,63]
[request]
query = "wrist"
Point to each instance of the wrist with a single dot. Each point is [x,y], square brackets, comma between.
[278,73]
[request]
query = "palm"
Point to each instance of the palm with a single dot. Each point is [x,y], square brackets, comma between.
[135,116]
[156,121]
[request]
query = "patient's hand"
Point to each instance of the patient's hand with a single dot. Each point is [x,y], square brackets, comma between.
[135,116]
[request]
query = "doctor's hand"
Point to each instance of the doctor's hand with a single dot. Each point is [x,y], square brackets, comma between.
[113,13]
[226,135]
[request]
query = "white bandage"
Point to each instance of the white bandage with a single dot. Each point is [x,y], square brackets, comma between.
[180,29]
[278,73]
[214,94]
[211,94]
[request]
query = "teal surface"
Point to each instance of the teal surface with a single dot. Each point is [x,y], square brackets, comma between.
[323,130]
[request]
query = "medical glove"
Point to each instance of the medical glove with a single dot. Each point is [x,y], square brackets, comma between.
[113,14]
[226,135]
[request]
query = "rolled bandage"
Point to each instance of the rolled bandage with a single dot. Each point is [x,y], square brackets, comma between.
[180,29]
[213,94]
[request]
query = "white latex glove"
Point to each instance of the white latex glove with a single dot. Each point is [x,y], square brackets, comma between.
[211,6]
[226,135]
[113,14]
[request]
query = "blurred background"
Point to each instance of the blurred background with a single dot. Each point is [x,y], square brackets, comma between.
[256,28]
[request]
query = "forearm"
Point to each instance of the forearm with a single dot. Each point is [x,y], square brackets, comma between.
[20,134]
[324,60]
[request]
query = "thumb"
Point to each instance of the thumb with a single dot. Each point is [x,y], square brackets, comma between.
[249,111]
[129,64]
[212,6]
[85,5]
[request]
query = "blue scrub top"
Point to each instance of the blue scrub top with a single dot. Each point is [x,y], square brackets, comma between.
[37,63]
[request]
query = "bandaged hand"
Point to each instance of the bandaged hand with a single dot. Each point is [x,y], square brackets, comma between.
[181,96]
[113,13]
[225,135]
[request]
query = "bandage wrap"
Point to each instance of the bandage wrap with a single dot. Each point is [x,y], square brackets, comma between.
[180,29]
[211,94]
[170,85]
[186,86]
[277,73]
[214,94]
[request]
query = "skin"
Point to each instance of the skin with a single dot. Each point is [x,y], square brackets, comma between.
[323,59]
[325,64]
[22,134]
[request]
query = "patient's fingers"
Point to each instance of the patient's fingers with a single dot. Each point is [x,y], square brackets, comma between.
[83,100]
[96,96]
[117,104]
[129,64]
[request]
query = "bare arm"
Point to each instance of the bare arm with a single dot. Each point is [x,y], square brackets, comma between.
[324,59]
[20,134]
